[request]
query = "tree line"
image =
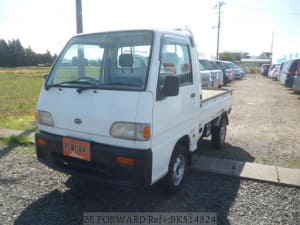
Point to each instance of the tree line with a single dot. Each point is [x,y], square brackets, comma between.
[12,54]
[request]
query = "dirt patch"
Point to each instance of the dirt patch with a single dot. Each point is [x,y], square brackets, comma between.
[264,124]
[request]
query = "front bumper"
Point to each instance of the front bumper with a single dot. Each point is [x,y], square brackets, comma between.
[103,165]
[238,76]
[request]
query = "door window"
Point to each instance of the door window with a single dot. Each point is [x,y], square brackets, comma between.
[175,61]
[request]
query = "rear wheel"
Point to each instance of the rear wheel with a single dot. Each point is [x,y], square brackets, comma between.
[177,169]
[218,134]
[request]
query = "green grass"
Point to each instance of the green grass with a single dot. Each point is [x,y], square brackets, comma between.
[294,163]
[8,72]
[264,160]
[17,122]
[23,144]
[19,95]
[289,163]
[19,91]
[68,73]
[16,140]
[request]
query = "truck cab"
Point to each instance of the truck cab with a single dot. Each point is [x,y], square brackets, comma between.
[126,107]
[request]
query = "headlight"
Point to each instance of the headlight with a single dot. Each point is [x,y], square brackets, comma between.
[45,118]
[131,131]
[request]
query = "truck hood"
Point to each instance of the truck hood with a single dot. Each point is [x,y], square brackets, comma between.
[91,111]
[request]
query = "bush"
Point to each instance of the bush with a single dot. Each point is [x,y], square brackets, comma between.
[254,70]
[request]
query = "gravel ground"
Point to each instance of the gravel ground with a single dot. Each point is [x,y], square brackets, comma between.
[264,124]
[31,194]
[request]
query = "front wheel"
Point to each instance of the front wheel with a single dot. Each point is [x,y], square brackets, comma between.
[177,169]
[218,134]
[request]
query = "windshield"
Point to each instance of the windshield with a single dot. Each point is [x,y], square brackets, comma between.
[206,65]
[116,60]
[221,65]
[214,65]
[229,65]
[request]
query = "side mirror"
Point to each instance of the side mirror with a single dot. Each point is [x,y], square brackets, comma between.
[171,86]
[45,76]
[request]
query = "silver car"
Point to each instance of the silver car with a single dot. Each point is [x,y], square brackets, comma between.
[216,74]
[206,77]
[206,80]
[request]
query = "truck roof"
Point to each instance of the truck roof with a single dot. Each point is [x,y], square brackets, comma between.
[179,32]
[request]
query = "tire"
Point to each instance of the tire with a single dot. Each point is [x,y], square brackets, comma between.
[177,170]
[218,134]
[225,81]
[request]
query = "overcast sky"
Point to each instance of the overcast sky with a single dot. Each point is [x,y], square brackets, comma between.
[246,25]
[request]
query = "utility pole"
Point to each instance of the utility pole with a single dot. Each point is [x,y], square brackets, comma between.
[78,17]
[271,58]
[79,30]
[219,5]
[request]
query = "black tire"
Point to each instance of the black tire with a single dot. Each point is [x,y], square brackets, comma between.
[177,170]
[218,134]
[225,82]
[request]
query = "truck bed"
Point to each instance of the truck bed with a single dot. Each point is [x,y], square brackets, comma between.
[208,94]
[214,102]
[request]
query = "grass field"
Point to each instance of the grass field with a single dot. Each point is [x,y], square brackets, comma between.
[6,72]
[19,90]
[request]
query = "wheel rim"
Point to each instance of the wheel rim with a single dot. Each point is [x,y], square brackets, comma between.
[223,132]
[178,170]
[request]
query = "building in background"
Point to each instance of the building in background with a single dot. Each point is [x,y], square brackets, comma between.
[288,56]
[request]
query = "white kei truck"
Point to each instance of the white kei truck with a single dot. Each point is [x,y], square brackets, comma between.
[127,108]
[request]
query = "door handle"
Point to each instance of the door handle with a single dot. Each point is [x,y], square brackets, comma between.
[193,95]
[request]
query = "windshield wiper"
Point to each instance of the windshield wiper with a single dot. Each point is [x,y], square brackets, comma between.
[92,86]
[80,89]
[62,84]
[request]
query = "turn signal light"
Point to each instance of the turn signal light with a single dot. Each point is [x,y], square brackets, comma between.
[122,160]
[147,132]
[42,141]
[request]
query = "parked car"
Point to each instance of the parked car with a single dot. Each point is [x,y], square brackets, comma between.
[296,83]
[228,69]
[208,68]
[206,79]
[218,74]
[243,71]
[280,69]
[234,71]
[238,73]
[264,69]
[221,65]
[273,71]
[284,71]
[288,72]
